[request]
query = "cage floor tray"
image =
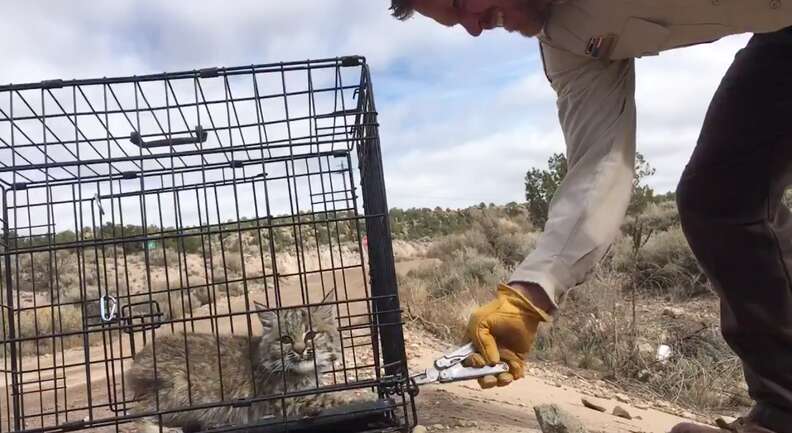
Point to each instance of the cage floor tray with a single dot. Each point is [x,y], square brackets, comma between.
[355,417]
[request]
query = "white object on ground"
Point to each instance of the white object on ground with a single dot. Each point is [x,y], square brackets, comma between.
[663,353]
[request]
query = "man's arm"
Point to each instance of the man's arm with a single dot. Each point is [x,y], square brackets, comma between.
[596,107]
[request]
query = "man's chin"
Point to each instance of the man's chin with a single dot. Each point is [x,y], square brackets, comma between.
[528,32]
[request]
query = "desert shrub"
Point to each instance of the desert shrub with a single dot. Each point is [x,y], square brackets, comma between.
[594,329]
[445,316]
[585,330]
[46,272]
[447,246]
[203,295]
[237,288]
[665,264]
[469,264]
[161,285]
[655,218]
[701,381]
[234,263]
[233,245]
[461,268]
[161,256]
[441,295]
[501,239]
[402,250]
[597,326]
[175,304]
[42,323]
[212,292]
[224,268]
[508,241]
[191,244]
[75,294]
[219,274]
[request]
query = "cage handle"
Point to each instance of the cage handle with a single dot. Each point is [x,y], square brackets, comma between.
[200,137]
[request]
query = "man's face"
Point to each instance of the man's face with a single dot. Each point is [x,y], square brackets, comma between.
[523,16]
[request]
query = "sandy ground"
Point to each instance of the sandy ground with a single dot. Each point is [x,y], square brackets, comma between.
[458,407]
[462,407]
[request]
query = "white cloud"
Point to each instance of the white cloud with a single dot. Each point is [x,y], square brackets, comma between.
[462,118]
[673,93]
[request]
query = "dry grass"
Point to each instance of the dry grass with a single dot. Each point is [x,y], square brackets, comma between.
[664,265]
[173,304]
[176,297]
[702,373]
[159,257]
[46,271]
[597,327]
[233,263]
[441,294]
[444,316]
[41,329]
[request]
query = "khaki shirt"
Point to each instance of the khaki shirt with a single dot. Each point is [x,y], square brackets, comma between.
[588,49]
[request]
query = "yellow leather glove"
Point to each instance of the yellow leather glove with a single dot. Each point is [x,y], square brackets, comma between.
[504,330]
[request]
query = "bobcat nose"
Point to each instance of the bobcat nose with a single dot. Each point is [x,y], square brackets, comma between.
[299,347]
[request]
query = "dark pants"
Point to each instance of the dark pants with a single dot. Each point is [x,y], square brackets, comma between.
[729,201]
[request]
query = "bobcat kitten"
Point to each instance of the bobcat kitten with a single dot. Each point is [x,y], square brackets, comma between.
[283,359]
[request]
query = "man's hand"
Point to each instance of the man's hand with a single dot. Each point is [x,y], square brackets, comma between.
[504,330]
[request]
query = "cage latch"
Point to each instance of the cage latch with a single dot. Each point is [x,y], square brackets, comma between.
[141,316]
[108,305]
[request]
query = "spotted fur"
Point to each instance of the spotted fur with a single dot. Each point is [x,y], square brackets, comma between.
[202,369]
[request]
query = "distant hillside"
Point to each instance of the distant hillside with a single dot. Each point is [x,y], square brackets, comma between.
[425,223]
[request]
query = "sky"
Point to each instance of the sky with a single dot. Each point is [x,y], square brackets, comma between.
[461,119]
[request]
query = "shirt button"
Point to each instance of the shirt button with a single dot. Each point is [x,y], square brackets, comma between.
[775,4]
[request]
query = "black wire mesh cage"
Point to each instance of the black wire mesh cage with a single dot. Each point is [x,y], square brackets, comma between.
[190,251]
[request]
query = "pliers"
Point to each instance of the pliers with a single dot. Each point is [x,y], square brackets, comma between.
[449,368]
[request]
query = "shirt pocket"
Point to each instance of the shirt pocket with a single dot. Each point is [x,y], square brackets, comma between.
[640,37]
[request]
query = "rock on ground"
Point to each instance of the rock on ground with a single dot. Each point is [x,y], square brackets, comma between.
[592,405]
[553,419]
[419,429]
[621,412]
[673,312]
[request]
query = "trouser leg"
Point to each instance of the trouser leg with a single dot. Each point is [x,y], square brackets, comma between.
[729,201]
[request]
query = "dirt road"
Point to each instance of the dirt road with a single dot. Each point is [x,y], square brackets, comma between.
[456,408]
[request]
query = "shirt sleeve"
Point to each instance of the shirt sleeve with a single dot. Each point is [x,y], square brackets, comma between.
[596,107]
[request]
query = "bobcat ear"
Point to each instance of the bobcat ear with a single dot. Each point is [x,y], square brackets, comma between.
[268,318]
[329,297]
[327,310]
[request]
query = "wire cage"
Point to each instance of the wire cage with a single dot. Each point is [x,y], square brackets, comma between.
[202,231]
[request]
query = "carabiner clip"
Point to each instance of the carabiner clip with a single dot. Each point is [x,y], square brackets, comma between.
[107,308]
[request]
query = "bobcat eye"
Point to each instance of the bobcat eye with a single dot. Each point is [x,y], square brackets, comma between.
[286,340]
[309,336]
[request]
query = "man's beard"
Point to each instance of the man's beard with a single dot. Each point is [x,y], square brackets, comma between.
[533,15]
